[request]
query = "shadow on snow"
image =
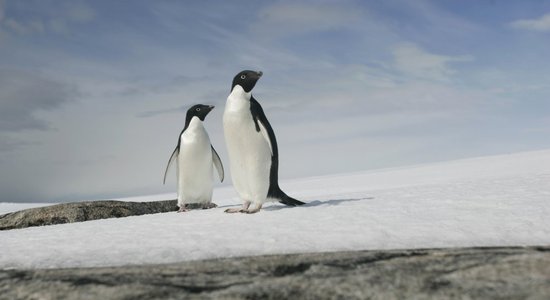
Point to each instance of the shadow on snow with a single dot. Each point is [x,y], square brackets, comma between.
[314,203]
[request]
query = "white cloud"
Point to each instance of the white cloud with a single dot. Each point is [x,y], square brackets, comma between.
[3,33]
[78,12]
[33,26]
[432,13]
[539,24]
[55,18]
[413,61]
[285,18]
[2,4]
[24,93]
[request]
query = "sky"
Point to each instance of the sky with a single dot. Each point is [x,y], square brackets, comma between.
[93,94]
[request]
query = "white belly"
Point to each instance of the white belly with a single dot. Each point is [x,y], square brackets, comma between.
[195,177]
[249,153]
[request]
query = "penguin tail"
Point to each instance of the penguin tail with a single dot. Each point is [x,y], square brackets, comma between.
[286,199]
[291,201]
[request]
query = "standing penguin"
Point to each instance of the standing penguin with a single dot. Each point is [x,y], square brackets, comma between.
[252,147]
[195,156]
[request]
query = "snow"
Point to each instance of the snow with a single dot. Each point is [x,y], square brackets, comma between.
[8,207]
[488,201]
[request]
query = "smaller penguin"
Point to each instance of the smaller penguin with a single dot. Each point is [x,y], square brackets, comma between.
[195,157]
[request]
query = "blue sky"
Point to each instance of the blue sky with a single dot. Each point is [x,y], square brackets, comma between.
[93,93]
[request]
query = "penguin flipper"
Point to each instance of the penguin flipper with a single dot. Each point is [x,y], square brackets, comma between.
[265,134]
[217,163]
[170,161]
[263,126]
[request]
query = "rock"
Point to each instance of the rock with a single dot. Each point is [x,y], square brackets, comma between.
[82,211]
[473,273]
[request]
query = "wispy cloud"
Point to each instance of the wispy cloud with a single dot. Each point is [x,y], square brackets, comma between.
[24,93]
[413,61]
[295,18]
[44,16]
[154,113]
[541,24]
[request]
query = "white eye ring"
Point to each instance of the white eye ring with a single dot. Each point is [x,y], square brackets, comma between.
[243,76]
[198,109]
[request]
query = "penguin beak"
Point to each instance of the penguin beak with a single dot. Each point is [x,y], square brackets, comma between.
[260,73]
[211,107]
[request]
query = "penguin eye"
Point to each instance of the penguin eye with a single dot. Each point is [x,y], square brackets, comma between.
[243,76]
[198,109]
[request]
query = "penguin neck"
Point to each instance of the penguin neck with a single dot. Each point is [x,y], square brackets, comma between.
[238,99]
[192,123]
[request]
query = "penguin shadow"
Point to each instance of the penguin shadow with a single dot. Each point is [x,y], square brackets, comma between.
[237,204]
[314,203]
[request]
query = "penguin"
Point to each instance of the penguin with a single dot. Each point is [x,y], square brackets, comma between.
[195,157]
[252,147]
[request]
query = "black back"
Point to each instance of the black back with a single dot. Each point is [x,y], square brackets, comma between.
[274,191]
[259,116]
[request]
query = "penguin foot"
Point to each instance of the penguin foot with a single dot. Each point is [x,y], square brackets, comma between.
[246,204]
[252,211]
[209,205]
[183,209]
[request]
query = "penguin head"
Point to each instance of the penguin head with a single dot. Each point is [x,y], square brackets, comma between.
[246,79]
[199,110]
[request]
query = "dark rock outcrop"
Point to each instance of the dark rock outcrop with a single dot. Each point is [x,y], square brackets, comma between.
[82,211]
[475,273]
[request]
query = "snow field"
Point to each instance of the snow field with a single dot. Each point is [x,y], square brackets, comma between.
[490,201]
